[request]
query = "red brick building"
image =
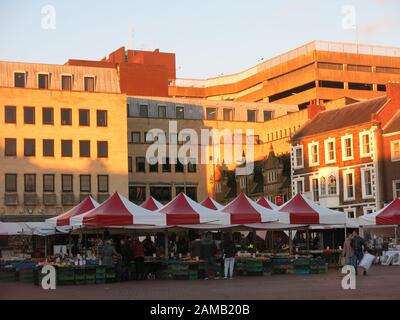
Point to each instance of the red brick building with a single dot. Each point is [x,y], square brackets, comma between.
[349,158]
[144,73]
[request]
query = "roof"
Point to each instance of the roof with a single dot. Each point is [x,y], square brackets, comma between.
[349,116]
[394,124]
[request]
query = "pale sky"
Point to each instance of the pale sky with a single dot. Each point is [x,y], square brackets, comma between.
[209,37]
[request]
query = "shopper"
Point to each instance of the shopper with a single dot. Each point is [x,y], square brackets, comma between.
[107,254]
[182,245]
[127,255]
[195,247]
[149,247]
[138,256]
[229,251]
[348,252]
[358,245]
[207,253]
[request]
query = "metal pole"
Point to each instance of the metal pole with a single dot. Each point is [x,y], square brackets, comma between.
[290,242]
[45,247]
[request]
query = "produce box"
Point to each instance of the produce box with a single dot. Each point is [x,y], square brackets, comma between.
[8,274]
[111,275]
[65,276]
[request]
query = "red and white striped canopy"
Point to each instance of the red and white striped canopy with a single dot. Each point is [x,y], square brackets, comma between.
[151,204]
[118,211]
[300,210]
[389,215]
[243,210]
[210,203]
[266,203]
[183,211]
[64,219]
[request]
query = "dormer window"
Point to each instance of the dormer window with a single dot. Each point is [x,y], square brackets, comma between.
[89,83]
[43,80]
[19,79]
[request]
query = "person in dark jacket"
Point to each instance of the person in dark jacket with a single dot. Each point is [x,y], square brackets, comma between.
[229,251]
[149,247]
[127,256]
[195,247]
[358,245]
[207,253]
[138,255]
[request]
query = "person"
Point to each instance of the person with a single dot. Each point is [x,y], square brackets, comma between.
[138,256]
[207,253]
[229,251]
[127,255]
[149,247]
[195,247]
[182,247]
[358,245]
[75,249]
[107,254]
[348,252]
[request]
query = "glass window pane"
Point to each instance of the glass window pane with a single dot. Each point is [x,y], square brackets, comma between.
[10,114]
[48,116]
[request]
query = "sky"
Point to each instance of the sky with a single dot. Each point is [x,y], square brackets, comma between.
[209,37]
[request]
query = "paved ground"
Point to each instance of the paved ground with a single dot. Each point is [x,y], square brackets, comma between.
[381,283]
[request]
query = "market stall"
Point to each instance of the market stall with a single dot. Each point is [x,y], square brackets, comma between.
[266,203]
[210,203]
[151,204]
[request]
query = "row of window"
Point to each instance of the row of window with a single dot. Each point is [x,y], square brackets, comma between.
[140,166]
[10,116]
[43,81]
[10,148]
[328,186]
[228,114]
[359,68]
[330,150]
[67,182]
[163,194]
[162,111]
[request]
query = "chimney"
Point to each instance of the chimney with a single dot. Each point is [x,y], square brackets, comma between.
[313,109]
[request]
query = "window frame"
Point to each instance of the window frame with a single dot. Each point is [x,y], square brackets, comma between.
[68,123]
[348,210]
[295,184]
[83,143]
[176,112]
[295,164]
[47,74]
[53,182]
[97,118]
[159,107]
[311,162]
[25,78]
[34,147]
[27,108]
[43,148]
[214,112]
[80,183]
[85,84]
[26,175]
[105,143]
[72,149]
[140,110]
[14,108]
[343,144]
[87,111]
[327,151]
[98,183]
[66,75]
[231,113]
[63,189]
[137,164]
[394,182]
[6,187]
[363,185]
[346,196]
[6,154]
[52,115]
[255,115]
[392,156]
[361,142]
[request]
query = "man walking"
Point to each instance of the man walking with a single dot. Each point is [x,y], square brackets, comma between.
[358,245]
[348,252]
[207,253]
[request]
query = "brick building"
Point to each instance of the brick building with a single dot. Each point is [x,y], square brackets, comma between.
[347,158]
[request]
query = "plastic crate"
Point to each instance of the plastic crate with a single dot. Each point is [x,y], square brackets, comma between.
[8,275]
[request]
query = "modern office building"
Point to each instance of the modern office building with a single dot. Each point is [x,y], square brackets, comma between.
[63,136]
[317,72]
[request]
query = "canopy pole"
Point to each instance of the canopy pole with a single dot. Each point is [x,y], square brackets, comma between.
[45,247]
[395,235]
[290,242]
[166,243]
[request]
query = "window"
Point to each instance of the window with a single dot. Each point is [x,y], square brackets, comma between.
[89,84]
[381,87]
[388,70]
[29,115]
[47,115]
[84,117]
[251,116]
[359,68]
[228,114]
[66,117]
[298,157]
[331,84]
[101,118]
[179,189]
[29,147]
[162,112]
[66,148]
[143,111]
[153,167]
[395,150]
[330,66]
[84,148]
[350,213]
[366,182]
[10,147]
[85,183]
[218,187]
[242,182]
[211,113]
[137,194]
[30,182]
[192,165]
[166,167]
[48,183]
[313,153]
[323,186]
[396,189]
[140,164]
[365,144]
[102,149]
[10,114]
[102,183]
[43,81]
[48,148]
[347,147]
[162,194]
[10,182]
[180,112]
[129,164]
[66,82]
[298,185]
[19,79]
[360,86]
[369,210]
[330,152]
[332,190]
[67,183]
[349,191]
[135,137]
[179,166]
[267,115]
[191,192]
[315,189]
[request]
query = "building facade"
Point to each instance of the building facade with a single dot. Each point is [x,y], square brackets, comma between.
[319,71]
[63,136]
[346,158]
